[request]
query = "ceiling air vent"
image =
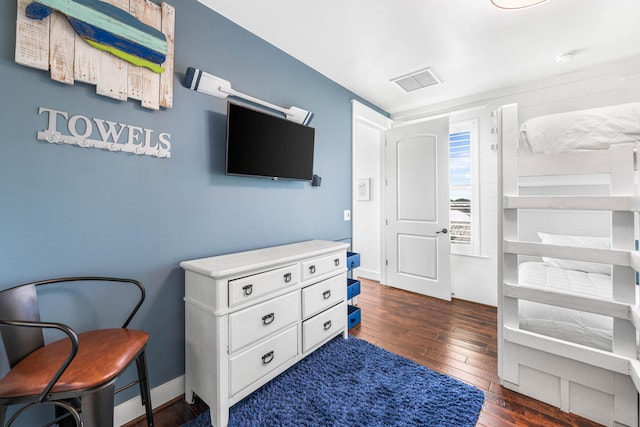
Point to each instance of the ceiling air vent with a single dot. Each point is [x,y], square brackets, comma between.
[417,80]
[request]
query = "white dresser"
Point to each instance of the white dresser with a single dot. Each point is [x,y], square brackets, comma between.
[251,315]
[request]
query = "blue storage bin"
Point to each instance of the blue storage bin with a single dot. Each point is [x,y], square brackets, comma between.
[353,288]
[353,260]
[354,316]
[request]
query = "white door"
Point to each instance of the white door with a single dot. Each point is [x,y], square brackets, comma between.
[417,239]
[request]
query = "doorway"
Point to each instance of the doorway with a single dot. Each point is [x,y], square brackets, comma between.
[419,261]
[368,137]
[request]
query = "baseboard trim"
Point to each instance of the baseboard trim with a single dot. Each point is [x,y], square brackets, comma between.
[367,274]
[132,408]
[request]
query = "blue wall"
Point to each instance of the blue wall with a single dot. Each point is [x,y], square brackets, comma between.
[66,210]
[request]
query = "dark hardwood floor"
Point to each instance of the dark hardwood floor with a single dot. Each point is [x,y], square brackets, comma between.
[456,338]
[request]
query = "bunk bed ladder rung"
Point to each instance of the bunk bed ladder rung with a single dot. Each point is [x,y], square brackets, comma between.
[562,299]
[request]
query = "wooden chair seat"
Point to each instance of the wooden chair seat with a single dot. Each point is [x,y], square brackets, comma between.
[102,355]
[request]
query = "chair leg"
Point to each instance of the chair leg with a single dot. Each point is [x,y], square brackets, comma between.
[68,421]
[145,392]
[97,408]
[3,413]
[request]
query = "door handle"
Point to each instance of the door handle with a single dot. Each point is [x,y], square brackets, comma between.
[443,231]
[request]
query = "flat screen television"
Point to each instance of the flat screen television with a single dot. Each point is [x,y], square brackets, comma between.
[264,145]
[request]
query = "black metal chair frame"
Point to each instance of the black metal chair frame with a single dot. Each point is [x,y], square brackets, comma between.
[68,406]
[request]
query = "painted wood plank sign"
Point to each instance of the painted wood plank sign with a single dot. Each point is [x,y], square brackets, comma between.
[127,39]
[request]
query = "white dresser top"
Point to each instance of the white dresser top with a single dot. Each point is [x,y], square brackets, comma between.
[231,264]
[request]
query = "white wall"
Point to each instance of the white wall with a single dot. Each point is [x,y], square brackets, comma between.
[368,139]
[470,275]
[475,278]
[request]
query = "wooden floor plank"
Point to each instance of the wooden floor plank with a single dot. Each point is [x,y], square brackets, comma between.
[457,338]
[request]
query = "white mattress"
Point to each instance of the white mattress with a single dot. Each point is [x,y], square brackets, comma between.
[570,325]
[592,129]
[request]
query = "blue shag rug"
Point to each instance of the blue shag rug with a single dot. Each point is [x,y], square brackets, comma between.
[354,383]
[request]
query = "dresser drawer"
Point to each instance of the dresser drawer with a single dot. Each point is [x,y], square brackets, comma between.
[323,326]
[319,266]
[323,295]
[251,287]
[258,361]
[260,320]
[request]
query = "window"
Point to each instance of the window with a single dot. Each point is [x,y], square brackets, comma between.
[463,183]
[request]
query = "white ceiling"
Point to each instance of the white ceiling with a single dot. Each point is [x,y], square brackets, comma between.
[470,44]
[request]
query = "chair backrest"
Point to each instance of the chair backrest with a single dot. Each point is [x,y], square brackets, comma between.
[20,303]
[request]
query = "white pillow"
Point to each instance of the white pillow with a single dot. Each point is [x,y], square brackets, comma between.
[580,242]
[592,129]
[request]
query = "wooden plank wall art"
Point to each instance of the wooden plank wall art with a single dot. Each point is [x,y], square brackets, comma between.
[123,47]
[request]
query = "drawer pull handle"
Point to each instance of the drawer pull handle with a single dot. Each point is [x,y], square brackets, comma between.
[267,358]
[312,269]
[247,290]
[327,325]
[326,294]
[287,278]
[267,319]
[336,261]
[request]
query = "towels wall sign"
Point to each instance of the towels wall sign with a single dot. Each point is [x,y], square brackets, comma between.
[123,47]
[108,135]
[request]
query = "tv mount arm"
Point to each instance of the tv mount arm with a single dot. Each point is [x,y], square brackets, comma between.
[201,81]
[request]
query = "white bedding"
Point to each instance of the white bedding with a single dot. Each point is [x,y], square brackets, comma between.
[591,129]
[570,325]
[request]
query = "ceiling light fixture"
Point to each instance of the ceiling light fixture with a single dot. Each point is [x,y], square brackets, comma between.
[516,4]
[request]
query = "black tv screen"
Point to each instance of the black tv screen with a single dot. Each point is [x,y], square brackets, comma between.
[260,144]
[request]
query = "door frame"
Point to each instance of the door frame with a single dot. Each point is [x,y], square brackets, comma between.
[372,118]
[361,114]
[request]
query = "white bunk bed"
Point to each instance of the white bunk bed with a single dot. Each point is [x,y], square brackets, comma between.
[567,312]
